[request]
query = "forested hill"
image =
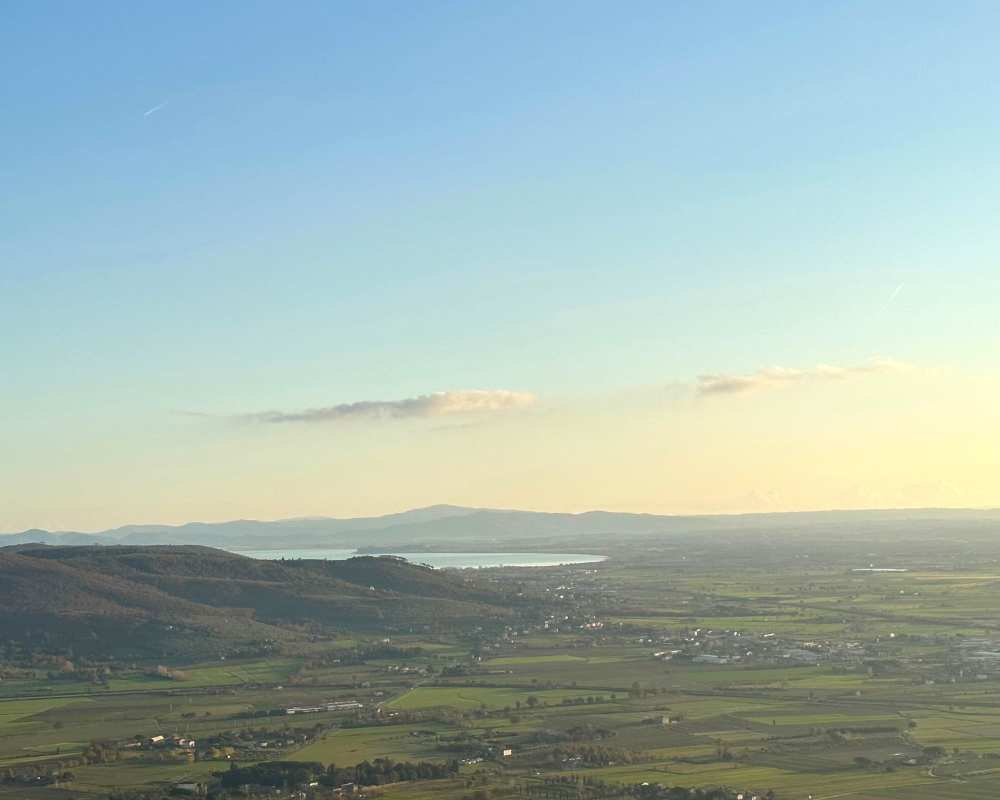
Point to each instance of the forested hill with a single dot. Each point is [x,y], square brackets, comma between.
[161,597]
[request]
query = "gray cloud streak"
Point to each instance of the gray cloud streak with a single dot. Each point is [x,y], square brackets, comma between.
[437,404]
[775,377]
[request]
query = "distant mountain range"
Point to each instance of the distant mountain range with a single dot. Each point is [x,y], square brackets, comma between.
[445,527]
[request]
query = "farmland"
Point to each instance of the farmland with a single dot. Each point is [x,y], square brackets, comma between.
[648,668]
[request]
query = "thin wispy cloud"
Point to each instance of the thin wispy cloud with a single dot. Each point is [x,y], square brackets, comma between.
[893,296]
[776,377]
[149,112]
[436,404]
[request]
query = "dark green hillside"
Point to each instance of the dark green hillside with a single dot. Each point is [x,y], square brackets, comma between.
[390,573]
[81,595]
[32,585]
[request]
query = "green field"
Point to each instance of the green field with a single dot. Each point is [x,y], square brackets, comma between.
[897,706]
[468,698]
[354,745]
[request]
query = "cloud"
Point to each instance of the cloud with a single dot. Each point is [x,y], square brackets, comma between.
[775,377]
[892,297]
[154,109]
[437,404]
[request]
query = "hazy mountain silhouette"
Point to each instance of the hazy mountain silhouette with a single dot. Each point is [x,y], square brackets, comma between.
[456,527]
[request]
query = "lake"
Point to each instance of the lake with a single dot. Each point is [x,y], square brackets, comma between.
[440,560]
[879,569]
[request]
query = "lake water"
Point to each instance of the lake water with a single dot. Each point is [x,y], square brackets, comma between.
[879,569]
[440,560]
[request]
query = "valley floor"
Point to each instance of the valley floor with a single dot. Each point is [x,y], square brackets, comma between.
[823,682]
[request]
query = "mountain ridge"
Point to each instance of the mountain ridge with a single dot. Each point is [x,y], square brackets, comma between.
[464,526]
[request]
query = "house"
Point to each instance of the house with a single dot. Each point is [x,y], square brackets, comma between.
[801,656]
[708,658]
[344,705]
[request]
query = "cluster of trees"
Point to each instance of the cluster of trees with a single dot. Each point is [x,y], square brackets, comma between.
[580,701]
[578,733]
[593,755]
[243,737]
[385,770]
[35,776]
[467,746]
[658,792]
[59,771]
[100,753]
[360,655]
[19,661]
[279,774]
[928,755]
[576,788]
[293,774]
[683,793]
[637,690]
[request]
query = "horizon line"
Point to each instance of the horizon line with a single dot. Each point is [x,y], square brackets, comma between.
[473,509]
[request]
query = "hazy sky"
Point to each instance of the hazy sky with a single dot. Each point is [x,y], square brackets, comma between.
[280,259]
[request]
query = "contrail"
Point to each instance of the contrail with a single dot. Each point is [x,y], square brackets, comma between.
[154,109]
[893,296]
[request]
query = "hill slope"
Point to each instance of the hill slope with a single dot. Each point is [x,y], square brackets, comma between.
[142,597]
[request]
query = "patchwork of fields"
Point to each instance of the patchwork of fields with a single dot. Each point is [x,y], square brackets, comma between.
[832,684]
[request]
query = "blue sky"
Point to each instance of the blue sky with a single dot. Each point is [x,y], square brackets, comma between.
[250,206]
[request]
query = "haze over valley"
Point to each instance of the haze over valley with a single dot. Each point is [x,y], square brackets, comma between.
[562,400]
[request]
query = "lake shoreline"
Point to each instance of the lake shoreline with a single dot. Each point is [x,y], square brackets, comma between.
[438,560]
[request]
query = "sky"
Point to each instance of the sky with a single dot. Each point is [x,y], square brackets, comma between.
[264,260]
